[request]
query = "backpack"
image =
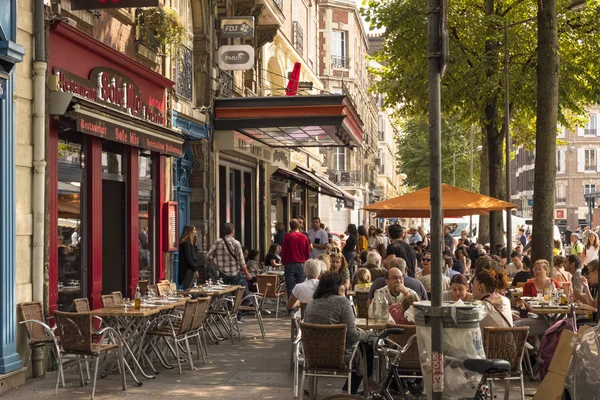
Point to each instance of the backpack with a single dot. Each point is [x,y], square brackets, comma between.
[550,340]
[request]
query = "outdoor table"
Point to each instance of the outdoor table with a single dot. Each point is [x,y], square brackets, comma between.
[555,312]
[132,324]
[368,323]
[278,273]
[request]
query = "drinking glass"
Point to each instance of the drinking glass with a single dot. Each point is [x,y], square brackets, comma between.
[126,301]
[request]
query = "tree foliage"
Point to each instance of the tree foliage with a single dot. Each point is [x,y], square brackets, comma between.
[413,153]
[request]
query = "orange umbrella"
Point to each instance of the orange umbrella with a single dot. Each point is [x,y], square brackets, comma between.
[292,86]
[455,202]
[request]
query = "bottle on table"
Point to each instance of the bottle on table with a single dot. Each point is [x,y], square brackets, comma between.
[138,298]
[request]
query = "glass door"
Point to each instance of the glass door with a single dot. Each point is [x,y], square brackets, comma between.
[236,201]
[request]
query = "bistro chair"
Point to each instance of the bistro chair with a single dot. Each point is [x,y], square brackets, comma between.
[270,288]
[258,301]
[118,297]
[143,284]
[39,333]
[197,329]
[175,327]
[506,344]
[108,301]
[163,288]
[362,304]
[77,338]
[324,350]
[225,311]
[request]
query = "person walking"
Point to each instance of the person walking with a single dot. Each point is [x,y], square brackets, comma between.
[398,248]
[294,252]
[590,250]
[188,257]
[227,257]
[280,232]
[349,250]
[318,238]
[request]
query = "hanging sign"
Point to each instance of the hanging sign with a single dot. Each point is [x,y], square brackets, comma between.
[235,57]
[239,27]
[170,226]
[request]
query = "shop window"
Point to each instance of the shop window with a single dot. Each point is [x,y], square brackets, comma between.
[236,201]
[146,216]
[71,168]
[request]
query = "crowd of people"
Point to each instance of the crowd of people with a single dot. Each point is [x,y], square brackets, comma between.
[395,265]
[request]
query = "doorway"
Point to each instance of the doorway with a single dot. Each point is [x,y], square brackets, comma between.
[113,237]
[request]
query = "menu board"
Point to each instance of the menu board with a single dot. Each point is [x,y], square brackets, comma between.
[170,226]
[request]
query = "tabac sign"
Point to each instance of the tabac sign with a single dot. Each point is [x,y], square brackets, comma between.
[239,27]
[235,57]
[112,89]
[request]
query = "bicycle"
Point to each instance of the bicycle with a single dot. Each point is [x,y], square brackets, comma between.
[393,353]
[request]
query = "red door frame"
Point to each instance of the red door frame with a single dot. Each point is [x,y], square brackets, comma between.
[94,221]
[132,212]
[159,161]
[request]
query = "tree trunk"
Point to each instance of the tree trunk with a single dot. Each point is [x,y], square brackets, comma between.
[545,131]
[484,188]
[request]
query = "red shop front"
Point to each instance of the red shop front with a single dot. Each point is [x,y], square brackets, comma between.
[106,156]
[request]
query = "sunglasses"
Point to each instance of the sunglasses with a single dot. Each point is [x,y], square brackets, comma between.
[426,259]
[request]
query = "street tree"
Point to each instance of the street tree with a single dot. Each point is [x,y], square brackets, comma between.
[472,87]
[413,153]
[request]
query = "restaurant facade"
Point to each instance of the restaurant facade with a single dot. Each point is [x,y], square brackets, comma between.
[109,221]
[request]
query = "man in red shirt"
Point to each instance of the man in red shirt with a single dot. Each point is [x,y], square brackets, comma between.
[295,250]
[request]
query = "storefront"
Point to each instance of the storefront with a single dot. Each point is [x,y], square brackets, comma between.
[107,153]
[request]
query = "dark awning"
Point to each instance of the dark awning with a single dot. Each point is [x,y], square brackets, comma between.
[291,121]
[326,186]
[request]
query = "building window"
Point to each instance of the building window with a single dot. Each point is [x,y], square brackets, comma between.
[590,128]
[339,159]
[298,38]
[589,188]
[339,50]
[560,161]
[590,160]
[380,128]
[381,156]
[145,218]
[561,194]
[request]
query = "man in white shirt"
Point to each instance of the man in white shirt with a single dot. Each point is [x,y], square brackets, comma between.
[516,265]
[318,238]
[394,291]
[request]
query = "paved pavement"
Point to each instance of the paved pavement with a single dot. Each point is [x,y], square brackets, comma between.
[250,370]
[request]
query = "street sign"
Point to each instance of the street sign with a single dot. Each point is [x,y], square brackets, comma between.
[235,57]
[239,27]
[98,4]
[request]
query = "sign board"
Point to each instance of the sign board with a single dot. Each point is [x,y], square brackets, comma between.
[170,226]
[348,203]
[2,88]
[560,213]
[235,57]
[98,4]
[238,142]
[237,27]
[530,202]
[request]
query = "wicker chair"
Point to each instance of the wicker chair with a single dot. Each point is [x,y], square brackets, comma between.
[506,344]
[143,284]
[324,350]
[118,297]
[224,310]
[362,304]
[258,301]
[39,333]
[108,301]
[176,327]
[197,329]
[163,288]
[270,288]
[75,331]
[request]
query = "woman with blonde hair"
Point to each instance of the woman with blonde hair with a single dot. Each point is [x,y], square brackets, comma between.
[540,281]
[188,257]
[590,250]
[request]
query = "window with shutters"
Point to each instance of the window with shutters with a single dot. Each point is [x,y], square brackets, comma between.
[561,194]
[590,160]
[590,128]
[589,188]
[560,162]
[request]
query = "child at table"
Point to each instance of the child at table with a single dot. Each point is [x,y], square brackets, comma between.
[363,280]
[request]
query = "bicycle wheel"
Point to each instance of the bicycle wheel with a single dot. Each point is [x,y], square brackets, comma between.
[344,397]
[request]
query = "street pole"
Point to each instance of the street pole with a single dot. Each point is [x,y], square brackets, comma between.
[471,177]
[435,55]
[508,144]
[454,169]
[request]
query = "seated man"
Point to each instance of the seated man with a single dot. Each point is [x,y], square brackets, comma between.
[374,265]
[411,283]
[394,291]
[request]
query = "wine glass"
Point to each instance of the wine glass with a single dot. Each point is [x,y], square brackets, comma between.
[126,301]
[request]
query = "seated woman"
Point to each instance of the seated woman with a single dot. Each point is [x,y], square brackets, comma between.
[303,292]
[397,310]
[338,264]
[591,277]
[273,258]
[253,268]
[559,273]
[363,280]
[459,290]
[540,281]
[485,287]
[330,306]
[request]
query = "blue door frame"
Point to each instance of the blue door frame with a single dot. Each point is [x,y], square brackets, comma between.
[182,169]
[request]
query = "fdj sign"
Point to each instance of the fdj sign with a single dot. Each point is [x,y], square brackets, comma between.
[237,27]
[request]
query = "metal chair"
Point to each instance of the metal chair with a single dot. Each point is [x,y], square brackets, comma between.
[38,331]
[506,344]
[197,329]
[76,337]
[256,308]
[324,351]
[270,288]
[175,327]
[225,311]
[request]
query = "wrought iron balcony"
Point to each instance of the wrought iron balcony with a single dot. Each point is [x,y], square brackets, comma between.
[381,136]
[225,87]
[298,38]
[345,178]
[340,62]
